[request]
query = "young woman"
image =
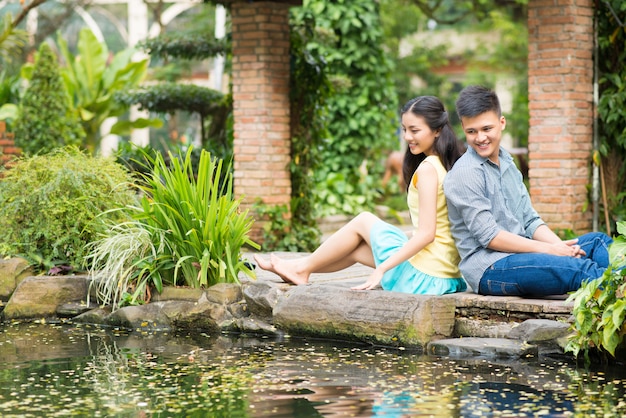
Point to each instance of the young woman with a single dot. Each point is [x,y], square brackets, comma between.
[427,262]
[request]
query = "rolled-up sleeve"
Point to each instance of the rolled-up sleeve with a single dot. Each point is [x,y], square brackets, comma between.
[466,192]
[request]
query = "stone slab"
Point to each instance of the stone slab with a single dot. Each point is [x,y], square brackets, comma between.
[482,347]
[388,318]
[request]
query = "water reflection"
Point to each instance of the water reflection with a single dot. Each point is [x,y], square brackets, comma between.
[58,370]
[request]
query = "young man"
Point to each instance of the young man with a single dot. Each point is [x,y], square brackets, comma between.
[505,247]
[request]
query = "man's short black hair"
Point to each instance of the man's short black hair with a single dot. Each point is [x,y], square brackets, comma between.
[476,100]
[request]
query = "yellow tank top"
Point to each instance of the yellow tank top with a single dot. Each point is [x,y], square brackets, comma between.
[440,258]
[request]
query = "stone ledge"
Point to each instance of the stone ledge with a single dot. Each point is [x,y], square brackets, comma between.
[325,307]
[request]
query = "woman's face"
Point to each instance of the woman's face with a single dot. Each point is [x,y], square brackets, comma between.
[417,134]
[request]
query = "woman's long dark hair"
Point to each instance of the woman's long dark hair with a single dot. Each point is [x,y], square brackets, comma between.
[446,146]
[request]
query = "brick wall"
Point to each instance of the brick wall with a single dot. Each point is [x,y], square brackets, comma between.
[8,150]
[560,84]
[260,79]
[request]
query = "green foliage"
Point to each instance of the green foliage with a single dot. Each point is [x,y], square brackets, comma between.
[191,40]
[169,97]
[53,205]
[600,306]
[186,230]
[214,108]
[339,195]
[362,111]
[185,45]
[508,56]
[400,21]
[46,120]
[9,87]
[9,95]
[12,40]
[403,19]
[455,12]
[282,233]
[92,82]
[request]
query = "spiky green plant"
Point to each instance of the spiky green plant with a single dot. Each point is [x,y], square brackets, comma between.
[188,229]
[206,230]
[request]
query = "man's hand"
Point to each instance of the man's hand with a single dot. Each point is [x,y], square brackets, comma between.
[575,249]
[569,248]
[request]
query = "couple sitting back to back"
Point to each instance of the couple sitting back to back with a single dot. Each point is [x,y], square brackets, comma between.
[472,208]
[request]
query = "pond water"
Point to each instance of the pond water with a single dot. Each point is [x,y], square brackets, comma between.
[62,370]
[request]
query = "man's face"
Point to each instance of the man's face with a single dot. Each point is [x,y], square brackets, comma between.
[483,133]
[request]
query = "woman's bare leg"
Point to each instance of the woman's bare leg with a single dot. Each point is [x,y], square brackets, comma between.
[362,255]
[349,245]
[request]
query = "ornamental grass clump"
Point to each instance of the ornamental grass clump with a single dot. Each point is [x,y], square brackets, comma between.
[600,307]
[188,230]
[54,205]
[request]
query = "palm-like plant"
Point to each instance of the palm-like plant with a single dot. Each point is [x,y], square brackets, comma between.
[12,40]
[91,82]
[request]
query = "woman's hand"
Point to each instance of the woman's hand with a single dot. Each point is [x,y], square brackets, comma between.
[372,281]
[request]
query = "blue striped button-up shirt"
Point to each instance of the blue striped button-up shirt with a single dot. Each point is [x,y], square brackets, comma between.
[484,199]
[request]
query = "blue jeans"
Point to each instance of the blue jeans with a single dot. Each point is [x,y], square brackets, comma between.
[537,274]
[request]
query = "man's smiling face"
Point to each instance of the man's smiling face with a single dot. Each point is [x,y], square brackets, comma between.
[484,133]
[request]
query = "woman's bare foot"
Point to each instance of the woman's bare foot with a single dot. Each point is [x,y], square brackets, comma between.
[281,268]
[286,269]
[265,265]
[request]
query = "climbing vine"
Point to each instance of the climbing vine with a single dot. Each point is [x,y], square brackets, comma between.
[362,118]
[611,18]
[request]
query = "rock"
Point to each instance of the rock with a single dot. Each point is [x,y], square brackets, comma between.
[535,330]
[94,316]
[145,318]
[482,347]
[217,309]
[261,297]
[72,309]
[389,318]
[224,293]
[482,328]
[12,272]
[257,326]
[239,309]
[202,316]
[40,296]
[177,293]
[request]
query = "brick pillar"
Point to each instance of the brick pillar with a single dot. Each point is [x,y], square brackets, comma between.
[260,78]
[560,84]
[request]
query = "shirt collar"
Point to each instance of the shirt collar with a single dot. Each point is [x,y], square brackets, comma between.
[505,157]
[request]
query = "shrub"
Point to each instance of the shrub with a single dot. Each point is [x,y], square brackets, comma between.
[187,230]
[53,205]
[600,306]
[46,119]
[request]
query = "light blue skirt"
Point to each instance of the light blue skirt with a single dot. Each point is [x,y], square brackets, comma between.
[386,239]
